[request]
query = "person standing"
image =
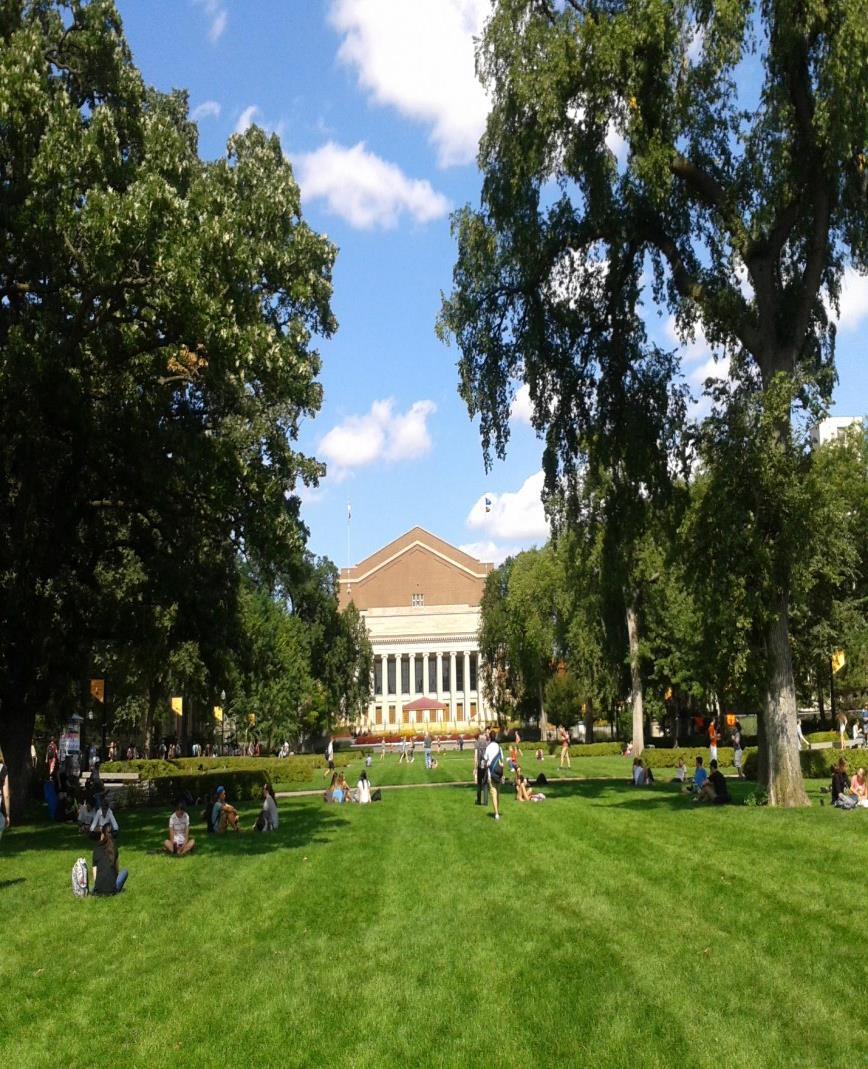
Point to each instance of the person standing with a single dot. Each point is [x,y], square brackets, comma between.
[403,756]
[461,744]
[712,739]
[330,758]
[517,741]
[412,749]
[565,748]
[865,725]
[5,802]
[801,737]
[479,771]
[842,729]
[383,745]
[426,746]
[494,769]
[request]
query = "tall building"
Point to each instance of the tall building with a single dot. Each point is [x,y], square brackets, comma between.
[419,598]
[833,427]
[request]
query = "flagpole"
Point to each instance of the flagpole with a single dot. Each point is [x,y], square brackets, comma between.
[349,560]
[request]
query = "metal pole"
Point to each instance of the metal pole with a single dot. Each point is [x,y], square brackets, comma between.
[832,688]
[223,724]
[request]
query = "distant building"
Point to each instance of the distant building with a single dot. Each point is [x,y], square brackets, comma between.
[828,430]
[419,597]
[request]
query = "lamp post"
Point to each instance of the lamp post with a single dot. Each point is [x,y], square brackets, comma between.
[223,724]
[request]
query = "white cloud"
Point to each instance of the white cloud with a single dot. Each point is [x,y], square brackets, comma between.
[488,552]
[216,12]
[513,517]
[522,409]
[692,351]
[854,300]
[208,109]
[364,189]
[418,57]
[246,118]
[380,434]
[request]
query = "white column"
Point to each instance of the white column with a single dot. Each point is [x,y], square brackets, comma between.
[424,673]
[433,717]
[452,686]
[411,664]
[467,687]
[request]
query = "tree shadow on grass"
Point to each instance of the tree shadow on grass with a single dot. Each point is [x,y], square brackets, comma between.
[623,795]
[144,830]
[11,883]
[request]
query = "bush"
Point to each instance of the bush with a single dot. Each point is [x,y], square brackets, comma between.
[816,764]
[822,736]
[596,749]
[145,768]
[669,758]
[241,786]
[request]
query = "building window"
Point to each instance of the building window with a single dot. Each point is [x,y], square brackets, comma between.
[406,713]
[378,675]
[417,601]
[459,672]
[432,673]
[419,671]
[391,714]
[474,667]
[378,715]
[391,669]
[446,687]
[473,710]
[459,710]
[405,675]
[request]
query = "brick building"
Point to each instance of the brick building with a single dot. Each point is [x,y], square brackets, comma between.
[419,597]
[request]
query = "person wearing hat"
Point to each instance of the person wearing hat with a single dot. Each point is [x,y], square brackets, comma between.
[179,841]
[223,815]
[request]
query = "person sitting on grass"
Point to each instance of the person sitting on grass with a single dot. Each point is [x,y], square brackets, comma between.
[523,793]
[104,816]
[699,778]
[859,788]
[223,815]
[649,775]
[86,813]
[714,789]
[179,841]
[539,756]
[638,773]
[344,787]
[680,771]
[840,781]
[363,791]
[106,878]
[268,818]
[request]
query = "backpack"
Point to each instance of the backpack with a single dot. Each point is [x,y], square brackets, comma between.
[79,878]
[496,766]
[206,815]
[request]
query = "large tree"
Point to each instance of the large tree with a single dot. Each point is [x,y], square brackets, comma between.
[720,147]
[156,316]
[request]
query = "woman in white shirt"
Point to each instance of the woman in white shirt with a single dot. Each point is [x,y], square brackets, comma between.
[364,789]
[269,818]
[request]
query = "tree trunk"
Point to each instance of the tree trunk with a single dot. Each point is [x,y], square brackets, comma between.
[589,722]
[150,716]
[783,770]
[635,680]
[820,702]
[16,737]
[543,719]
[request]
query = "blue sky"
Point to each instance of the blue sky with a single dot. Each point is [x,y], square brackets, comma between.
[376,103]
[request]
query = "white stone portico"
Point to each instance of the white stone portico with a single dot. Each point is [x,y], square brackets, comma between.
[419,598]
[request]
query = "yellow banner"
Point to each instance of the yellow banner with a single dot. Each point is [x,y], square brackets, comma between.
[178,706]
[839,659]
[251,719]
[668,694]
[218,712]
[97,689]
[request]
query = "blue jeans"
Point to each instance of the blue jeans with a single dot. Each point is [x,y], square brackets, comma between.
[121,880]
[427,758]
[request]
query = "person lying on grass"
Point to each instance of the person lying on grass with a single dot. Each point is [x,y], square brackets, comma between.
[714,789]
[179,841]
[106,879]
[523,792]
[223,815]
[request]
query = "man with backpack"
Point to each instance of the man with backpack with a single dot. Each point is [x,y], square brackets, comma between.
[494,766]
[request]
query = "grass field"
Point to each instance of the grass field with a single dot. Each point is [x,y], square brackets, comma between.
[606,927]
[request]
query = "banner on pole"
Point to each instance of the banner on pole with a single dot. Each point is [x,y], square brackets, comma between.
[839,659]
[218,713]
[97,689]
[178,706]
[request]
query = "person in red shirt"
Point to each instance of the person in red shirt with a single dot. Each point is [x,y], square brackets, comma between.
[712,740]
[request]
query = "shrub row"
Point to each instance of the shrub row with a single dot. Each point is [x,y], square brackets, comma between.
[822,736]
[283,770]
[669,758]
[816,764]
[241,786]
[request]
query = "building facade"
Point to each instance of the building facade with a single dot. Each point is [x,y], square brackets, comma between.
[833,428]
[419,598]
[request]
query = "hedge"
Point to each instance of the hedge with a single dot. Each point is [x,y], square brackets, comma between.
[281,769]
[817,764]
[669,758]
[822,736]
[145,768]
[241,786]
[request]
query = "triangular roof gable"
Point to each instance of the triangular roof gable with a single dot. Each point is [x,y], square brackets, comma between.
[416,537]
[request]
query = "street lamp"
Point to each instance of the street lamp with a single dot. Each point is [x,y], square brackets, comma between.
[223,724]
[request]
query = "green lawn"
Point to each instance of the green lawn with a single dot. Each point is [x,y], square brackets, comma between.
[605,927]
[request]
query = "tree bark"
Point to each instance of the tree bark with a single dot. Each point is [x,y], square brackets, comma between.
[543,719]
[589,722]
[783,770]
[150,715]
[635,679]
[16,737]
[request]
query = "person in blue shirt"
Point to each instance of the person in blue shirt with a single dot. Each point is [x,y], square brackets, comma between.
[699,775]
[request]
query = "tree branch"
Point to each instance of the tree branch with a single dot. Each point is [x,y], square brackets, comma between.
[712,194]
